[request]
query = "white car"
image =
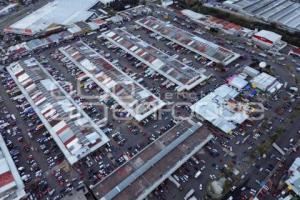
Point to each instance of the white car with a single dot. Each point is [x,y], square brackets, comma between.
[198,173]
[200,187]
[21,168]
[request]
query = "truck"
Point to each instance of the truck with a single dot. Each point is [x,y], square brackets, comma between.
[294,89]
[263,55]
[189,194]
[173,180]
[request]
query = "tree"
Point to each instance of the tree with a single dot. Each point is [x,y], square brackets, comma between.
[191,2]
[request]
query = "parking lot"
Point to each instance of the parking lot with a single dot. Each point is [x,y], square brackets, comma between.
[39,159]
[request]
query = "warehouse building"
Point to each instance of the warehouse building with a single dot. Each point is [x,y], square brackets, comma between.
[268,40]
[213,22]
[261,80]
[11,184]
[250,71]
[293,181]
[285,13]
[71,128]
[144,172]
[53,14]
[189,41]
[266,83]
[220,109]
[295,52]
[237,81]
[73,30]
[184,76]
[197,17]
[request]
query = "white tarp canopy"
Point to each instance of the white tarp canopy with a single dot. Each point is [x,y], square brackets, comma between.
[216,109]
[193,15]
[237,82]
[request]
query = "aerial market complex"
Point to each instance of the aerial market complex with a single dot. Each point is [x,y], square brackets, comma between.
[157,100]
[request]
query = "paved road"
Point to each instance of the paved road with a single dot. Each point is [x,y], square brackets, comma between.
[240,150]
[19,14]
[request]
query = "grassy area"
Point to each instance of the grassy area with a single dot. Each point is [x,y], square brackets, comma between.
[264,147]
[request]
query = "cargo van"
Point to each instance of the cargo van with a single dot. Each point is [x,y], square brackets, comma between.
[294,89]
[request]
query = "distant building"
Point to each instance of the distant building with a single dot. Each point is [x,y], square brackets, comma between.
[55,13]
[166,2]
[193,15]
[268,39]
[73,30]
[212,22]
[291,191]
[262,81]
[237,81]
[293,181]
[144,172]
[71,128]
[295,52]
[189,41]
[284,13]
[221,109]
[11,184]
